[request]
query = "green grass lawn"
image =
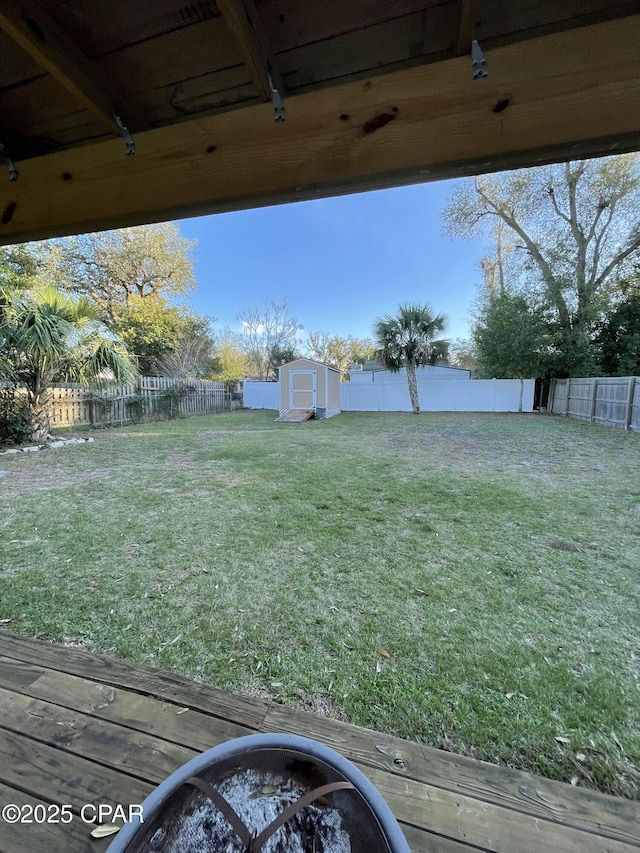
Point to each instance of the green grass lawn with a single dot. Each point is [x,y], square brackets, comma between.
[467,581]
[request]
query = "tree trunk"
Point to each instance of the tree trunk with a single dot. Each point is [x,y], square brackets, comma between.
[412,382]
[40,415]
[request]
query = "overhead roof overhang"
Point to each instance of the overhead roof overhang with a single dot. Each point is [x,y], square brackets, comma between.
[373,93]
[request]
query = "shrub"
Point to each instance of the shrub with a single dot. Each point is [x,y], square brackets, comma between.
[168,403]
[15,418]
[136,407]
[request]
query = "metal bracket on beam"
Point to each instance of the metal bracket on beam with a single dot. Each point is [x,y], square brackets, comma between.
[478,61]
[124,133]
[8,162]
[279,111]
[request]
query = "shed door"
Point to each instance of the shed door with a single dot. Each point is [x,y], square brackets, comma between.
[302,389]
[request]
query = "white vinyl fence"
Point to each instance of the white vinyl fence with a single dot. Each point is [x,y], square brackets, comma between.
[472,395]
[261,395]
[451,395]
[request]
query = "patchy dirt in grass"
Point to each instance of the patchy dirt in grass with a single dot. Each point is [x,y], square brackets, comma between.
[255,691]
[488,454]
[12,570]
[560,545]
[31,478]
[183,461]
[445,451]
[321,706]
[75,643]
[27,481]
[217,468]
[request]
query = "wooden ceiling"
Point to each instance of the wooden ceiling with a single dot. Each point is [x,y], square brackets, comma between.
[375,93]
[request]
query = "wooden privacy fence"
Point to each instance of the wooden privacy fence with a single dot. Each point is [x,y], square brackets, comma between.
[611,400]
[151,398]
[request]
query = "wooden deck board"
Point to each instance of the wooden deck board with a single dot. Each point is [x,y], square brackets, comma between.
[42,838]
[77,728]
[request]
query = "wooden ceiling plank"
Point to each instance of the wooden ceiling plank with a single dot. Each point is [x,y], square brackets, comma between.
[17,66]
[466,22]
[291,24]
[60,124]
[503,21]
[171,58]
[242,19]
[17,146]
[102,27]
[410,40]
[39,101]
[38,35]
[162,107]
[558,97]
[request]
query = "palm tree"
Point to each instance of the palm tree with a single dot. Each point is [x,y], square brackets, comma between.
[47,336]
[407,340]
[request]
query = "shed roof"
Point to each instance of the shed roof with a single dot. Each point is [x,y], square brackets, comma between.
[376,93]
[313,360]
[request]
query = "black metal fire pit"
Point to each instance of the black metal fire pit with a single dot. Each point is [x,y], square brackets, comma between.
[271,793]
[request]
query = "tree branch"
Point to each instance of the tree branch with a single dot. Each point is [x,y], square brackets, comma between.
[556,206]
[534,251]
[619,257]
[598,242]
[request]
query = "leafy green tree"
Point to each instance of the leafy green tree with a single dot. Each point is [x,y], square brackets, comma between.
[511,339]
[47,336]
[619,339]
[569,232]
[279,356]
[362,350]
[116,268]
[151,328]
[160,334]
[231,362]
[408,340]
[136,276]
[18,266]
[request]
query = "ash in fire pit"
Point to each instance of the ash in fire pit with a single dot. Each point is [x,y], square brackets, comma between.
[257,798]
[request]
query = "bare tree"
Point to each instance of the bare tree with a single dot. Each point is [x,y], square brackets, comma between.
[338,351]
[576,228]
[192,358]
[266,332]
[331,349]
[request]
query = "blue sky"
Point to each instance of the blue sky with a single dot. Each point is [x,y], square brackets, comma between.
[340,262]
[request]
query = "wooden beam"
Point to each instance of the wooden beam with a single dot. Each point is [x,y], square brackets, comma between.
[242,19]
[559,97]
[466,21]
[39,35]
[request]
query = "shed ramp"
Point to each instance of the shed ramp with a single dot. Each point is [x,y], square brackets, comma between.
[295,416]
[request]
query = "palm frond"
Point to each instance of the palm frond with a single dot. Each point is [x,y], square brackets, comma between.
[103,361]
[408,337]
